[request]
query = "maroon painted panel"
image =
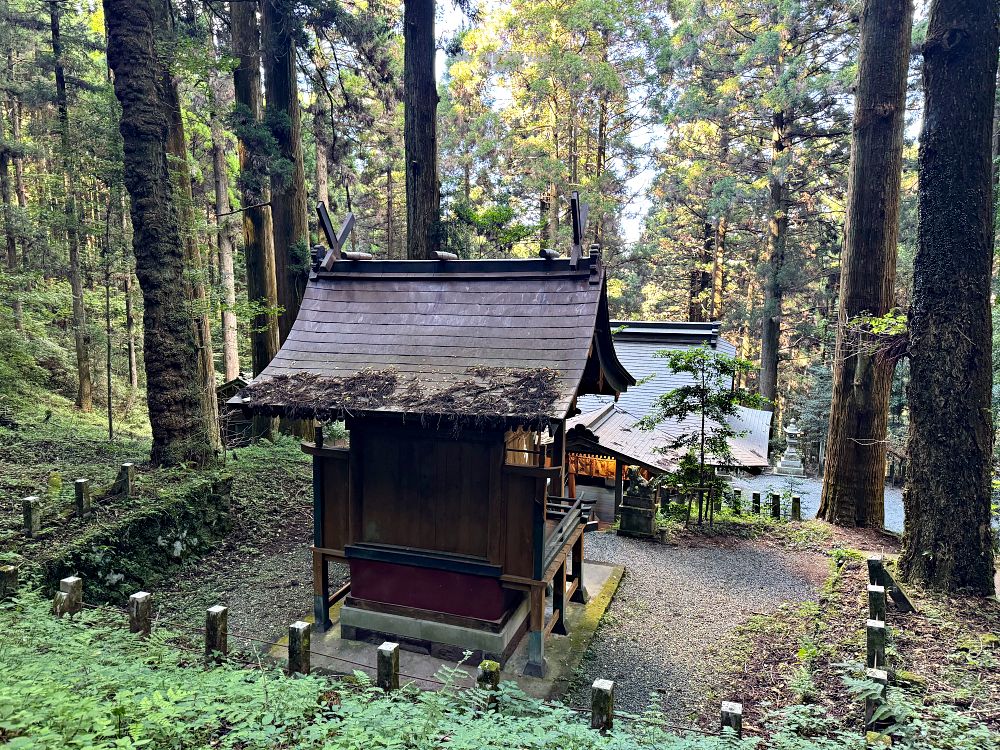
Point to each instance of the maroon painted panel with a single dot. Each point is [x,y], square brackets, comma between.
[424,588]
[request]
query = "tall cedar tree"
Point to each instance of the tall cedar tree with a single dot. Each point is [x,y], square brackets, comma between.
[255,193]
[194,279]
[289,211]
[947,540]
[180,431]
[81,338]
[853,483]
[420,98]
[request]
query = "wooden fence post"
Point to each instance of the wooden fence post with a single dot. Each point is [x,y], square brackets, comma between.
[69,598]
[81,489]
[32,507]
[875,644]
[387,666]
[216,632]
[876,571]
[298,647]
[737,501]
[140,613]
[732,717]
[602,705]
[755,502]
[8,581]
[775,505]
[876,603]
[796,508]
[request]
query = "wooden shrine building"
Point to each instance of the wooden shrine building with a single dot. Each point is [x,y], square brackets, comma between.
[455,379]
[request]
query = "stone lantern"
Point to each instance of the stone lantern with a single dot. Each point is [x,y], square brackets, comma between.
[791,462]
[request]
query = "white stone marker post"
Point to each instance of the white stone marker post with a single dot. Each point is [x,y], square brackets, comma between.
[602,705]
[387,666]
[298,647]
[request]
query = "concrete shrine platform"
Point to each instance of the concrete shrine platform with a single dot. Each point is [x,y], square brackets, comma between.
[334,655]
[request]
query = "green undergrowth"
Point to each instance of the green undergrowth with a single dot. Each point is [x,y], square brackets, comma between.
[810,653]
[130,542]
[88,683]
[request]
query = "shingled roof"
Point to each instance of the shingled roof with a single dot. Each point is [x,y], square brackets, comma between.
[637,343]
[514,340]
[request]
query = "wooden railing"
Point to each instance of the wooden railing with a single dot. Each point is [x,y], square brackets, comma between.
[571,511]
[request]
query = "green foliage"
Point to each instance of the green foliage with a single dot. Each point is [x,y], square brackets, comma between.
[87,683]
[712,399]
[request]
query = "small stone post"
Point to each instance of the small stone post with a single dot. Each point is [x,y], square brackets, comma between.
[876,603]
[8,582]
[732,717]
[126,480]
[387,666]
[872,703]
[737,501]
[216,632]
[298,647]
[875,642]
[488,675]
[140,613]
[32,507]
[602,705]
[796,508]
[755,500]
[81,488]
[775,505]
[69,598]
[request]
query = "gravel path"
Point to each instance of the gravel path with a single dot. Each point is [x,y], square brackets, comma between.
[674,604]
[810,490]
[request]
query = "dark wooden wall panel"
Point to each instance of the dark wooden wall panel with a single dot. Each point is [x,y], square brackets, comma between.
[519,491]
[336,485]
[426,492]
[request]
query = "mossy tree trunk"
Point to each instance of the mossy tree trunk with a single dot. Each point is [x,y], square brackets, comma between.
[947,539]
[854,480]
[180,430]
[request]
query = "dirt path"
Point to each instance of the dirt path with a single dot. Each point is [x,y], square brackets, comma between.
[262,570]
[675,604]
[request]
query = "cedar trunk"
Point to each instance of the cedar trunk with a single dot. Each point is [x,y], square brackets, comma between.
[947,539]
[854,479]
[258,240]
[423,197]
[289,211]
[777,238]
[194,278]
[81,338]
[221,98]
[180,430]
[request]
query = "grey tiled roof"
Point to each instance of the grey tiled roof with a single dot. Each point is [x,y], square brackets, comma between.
[637,343]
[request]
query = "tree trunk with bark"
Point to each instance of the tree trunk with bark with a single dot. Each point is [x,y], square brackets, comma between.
[81,337]
[194,286]
[181,433]
[854,479]
[258,240]
[777,238]
[420,99]
[221,100]
[289,209]
[947,539]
